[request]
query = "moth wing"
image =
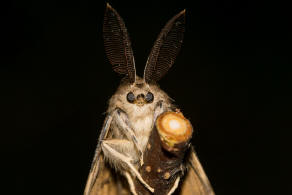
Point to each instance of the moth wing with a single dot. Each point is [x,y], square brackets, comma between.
[196,181]
[101,179]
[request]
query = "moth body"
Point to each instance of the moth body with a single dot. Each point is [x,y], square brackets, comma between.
[140,117]
[134,107]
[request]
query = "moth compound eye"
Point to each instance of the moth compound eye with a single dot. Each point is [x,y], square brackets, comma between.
[149,97]
[130,97]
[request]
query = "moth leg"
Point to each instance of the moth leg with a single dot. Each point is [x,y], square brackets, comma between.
[112,153]
[175,185]
[131,183]
[122,146]
[159,109]
[125,125]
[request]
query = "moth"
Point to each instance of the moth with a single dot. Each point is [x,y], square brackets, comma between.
[133,110]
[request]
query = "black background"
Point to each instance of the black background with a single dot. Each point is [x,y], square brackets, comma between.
[56,80]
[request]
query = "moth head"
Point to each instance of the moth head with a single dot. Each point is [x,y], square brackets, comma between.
[140,93]
[162,56]
[138,96]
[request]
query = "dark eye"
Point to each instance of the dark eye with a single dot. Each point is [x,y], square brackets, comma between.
[149,97]
[130,97]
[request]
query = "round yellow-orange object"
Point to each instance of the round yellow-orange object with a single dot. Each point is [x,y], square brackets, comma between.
[173,127]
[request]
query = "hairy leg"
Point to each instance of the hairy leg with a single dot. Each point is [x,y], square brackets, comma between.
[123,122]
[131,183]
[115,151]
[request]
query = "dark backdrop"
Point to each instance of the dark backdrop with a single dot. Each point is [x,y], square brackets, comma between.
[56,80]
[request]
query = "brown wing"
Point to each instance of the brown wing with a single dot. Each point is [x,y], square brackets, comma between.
[97,162]
[101,178]
[104,182]
[196,181]
[107,182]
